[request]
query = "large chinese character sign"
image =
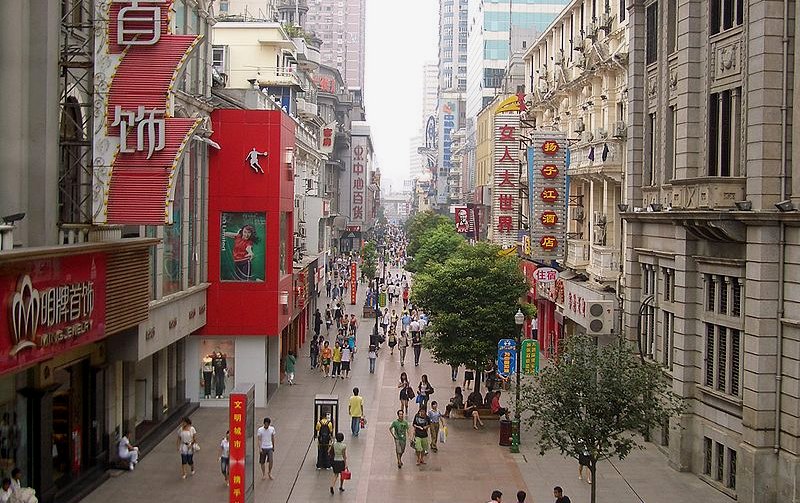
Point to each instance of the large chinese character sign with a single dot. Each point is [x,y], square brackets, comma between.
[505,186]
[358,179]
[548,194]
[138,143]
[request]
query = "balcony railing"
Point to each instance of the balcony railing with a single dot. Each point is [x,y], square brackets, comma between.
[278,76]
[577,253]
[70,234]
[306,109]
[604,263]
[6,237]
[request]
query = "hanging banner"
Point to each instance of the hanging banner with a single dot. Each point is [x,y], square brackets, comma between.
[547,169]
[505,185]
[530,357]
[241,420]
[353,283]
[506,357]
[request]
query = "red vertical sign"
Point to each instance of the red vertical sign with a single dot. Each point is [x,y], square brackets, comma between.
[353,283]
[238,443]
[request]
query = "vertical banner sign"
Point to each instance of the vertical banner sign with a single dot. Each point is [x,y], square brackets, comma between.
[241,476]
[506,357]
[547,171]
[138,142]
[353,283]
[358,183]
[505,186]
[463,220]
[530,357]
[448,114]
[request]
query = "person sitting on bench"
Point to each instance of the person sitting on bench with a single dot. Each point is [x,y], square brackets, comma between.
[496,409]
[456,402]
[474,402]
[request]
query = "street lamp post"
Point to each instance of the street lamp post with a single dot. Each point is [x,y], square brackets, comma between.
[519,319]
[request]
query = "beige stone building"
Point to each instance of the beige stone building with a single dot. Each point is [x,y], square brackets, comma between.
[711,264]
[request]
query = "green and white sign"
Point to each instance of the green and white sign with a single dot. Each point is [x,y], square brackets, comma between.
[530,357]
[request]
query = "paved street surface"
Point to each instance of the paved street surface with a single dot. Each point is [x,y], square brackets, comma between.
[466,469]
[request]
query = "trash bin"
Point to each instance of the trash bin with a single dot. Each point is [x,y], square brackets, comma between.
[505,432]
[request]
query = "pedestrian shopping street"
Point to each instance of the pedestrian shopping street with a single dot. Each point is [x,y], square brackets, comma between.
[467,468]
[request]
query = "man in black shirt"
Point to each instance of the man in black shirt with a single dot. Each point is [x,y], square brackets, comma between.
[558,494]
[421,427]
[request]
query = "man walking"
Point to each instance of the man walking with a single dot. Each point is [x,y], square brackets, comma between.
[437,422]
[356,410]
[266,440]
[416,341]
[399,429]
[289,365]
[558,494]
[324,441]
[497,497]
[421,427]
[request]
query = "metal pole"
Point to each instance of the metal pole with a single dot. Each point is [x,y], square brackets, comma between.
[515,437]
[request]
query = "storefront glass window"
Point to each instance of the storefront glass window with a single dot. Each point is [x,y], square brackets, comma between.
[216,368]
[282,246]
[192,213]
[172,277]
[180,17]
[12,428]
[150,232]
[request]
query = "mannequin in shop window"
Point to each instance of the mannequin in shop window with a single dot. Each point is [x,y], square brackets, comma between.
[208,372]
[220,366]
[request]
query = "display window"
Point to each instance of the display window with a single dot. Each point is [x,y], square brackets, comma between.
[12,426]
[217,365]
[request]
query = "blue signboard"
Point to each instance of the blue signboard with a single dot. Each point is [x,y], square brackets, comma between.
[506,357]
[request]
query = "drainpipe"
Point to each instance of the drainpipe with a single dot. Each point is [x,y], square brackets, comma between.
[782,238]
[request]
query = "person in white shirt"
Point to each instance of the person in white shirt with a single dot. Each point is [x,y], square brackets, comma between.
[266,440]
[346,354]
[225,456]
[127,452]
[187,444]
[21,494]
[5,491]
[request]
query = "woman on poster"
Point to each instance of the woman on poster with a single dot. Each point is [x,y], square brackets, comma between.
[243,242]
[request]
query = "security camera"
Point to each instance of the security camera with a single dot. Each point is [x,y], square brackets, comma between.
[11,219]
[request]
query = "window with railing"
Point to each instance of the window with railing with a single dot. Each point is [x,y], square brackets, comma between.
[724,131]
[725,14]
[723,353]
[723,295]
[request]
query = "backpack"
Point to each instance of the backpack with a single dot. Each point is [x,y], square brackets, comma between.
[325,433]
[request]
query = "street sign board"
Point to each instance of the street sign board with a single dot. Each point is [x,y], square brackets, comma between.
[545,275]
[530,357]
[506,357]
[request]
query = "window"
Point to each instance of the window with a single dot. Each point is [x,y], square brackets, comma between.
[623,10]
[723,295]
[218,58]
[723,359]
[668,339]
[649,311]
[223,5]
[707,445]
[736,297]
[283,229]
[711,293]
[650,161]
[672,134]
[672,27]
[731,469]
[651,45]
[724,119]
[669,284]
[725,14]
[720,461]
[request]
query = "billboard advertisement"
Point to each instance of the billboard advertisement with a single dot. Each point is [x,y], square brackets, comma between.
[505,184]
[547,169]
[242,247]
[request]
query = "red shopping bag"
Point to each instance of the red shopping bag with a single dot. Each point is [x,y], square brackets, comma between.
[346,474]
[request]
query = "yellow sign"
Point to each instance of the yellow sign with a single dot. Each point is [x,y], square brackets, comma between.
[510,104]
[505,252]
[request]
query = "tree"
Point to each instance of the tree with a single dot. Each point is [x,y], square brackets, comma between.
[369,257]
[595,399]
[471,298]
[436,247]
[421,224]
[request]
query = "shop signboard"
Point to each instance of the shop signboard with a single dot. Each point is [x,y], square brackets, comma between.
[505,184]
[530,357]
[242,247]
[358,180]
[506,357]
[241,476]
[139,141]
[547,169]
[50,306]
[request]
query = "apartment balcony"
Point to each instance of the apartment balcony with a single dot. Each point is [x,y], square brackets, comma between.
[577,253]
[278,77]
[308,56]
[604,263]
[70,234]
[307,110]
[597,154]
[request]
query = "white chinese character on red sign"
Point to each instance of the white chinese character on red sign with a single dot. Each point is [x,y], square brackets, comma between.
[150,123]
[139,24]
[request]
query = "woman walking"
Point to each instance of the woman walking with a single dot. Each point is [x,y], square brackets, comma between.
[187,443]
[225,456]
[327,354]
[337,360]
[406,392]
[425,391]
[339,453]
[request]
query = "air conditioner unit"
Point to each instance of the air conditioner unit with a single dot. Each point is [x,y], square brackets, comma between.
[601,133]
[577,213]
[542,86]
[620,130]
[297,242]
[579,60]
[592,30]
[600,317]
[606,20]
[587,136]
[577,43]
[580,127]
[558,58]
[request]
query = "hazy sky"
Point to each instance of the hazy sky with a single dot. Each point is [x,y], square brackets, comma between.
[401,37]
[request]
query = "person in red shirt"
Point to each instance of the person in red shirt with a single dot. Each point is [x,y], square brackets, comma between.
[496,409]
[243,242]
[405,297]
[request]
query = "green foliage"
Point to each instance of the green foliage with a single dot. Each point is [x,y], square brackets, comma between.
[369,256]
[436,247]
[598,398]
[471,299]
[420,225]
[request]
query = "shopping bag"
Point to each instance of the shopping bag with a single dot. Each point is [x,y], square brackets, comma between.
[443,435]
[363,422]
[346,474]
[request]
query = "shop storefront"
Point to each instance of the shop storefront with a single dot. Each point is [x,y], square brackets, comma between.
[550,304]
[63,303]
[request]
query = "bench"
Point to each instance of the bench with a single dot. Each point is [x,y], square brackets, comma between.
[483,412]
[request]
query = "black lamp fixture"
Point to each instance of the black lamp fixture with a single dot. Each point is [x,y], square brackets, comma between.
[744,205]
[785,206]
[12,219]
[622,207]
[655,207]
